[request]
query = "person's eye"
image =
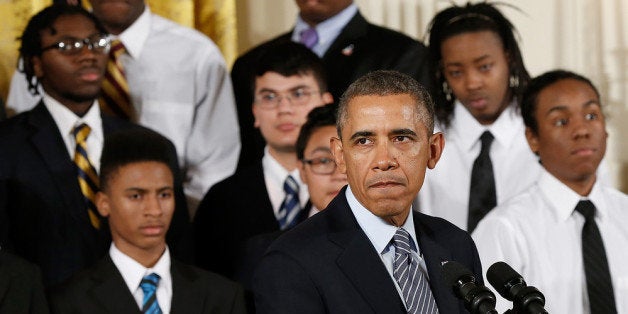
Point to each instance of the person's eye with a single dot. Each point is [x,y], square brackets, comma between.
[135,196]
[454,73]
[561,122]
[486,67]
[268,97]
[323,160]
[299,93]
[363,141]
[165,195]
[591,116]
[401,138]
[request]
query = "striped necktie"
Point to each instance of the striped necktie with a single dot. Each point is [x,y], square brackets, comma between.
[597,273]
[87,177]
[115,98]
[149,287]
[290,206]
[410,277]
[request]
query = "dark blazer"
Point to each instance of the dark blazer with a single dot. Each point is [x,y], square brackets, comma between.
[233,210]
[21,289]
[101,289]
[327,264]
[361,47]
[42,213]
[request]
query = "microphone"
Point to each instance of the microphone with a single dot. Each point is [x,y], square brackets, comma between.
[511,286]
[477,298]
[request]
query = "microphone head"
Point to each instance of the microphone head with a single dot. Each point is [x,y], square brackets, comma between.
[502,277]
[454,272]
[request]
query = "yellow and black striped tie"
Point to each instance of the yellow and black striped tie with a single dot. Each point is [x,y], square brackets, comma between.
[115,98]
[87,177]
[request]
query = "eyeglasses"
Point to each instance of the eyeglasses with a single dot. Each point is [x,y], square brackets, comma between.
[297,97]
[321,165]
[72,46]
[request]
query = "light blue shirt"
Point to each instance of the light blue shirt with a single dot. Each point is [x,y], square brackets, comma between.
[327,30]
[380,233]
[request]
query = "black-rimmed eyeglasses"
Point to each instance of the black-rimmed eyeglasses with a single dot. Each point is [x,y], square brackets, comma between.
[72,46]
[321,165]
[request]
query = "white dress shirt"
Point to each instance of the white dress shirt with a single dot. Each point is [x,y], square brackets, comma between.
[180,87]
[327,30]
[381,233]
[274,176]
[445,192]
[539,234]
[66,121]
[132,272]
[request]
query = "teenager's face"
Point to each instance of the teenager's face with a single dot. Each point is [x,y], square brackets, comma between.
[475,66]
[139,201]
[571,137]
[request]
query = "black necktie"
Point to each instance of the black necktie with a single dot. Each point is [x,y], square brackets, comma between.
[599,284]
[482,197]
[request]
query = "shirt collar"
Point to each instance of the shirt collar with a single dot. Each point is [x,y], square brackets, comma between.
[378,230]
[136,35]
[132,272]
[327,30]
[564,200]
[276,172]
[507,126]
[67,120]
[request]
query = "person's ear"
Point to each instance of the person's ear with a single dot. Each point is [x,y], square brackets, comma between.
[37,67]
[436,144]
[302,174]
[103,204]
[327,98]
[337,151]
[533,140]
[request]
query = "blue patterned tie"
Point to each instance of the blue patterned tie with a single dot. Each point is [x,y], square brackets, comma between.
[290,206]
[411,279]
[149,287]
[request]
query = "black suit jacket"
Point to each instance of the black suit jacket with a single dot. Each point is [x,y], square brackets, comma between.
[43,217]
[327,264]
[232,211]
[361,47]
[21,289]
[101,289]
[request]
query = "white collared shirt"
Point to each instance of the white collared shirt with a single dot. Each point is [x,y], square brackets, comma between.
[445,191]
[327,30]
[381,233]
[66,121]
[539,234]
[274,176]
[132,272]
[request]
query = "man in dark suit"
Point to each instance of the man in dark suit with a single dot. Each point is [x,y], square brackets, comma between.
[46,206]
[349,46]
[21,289]
[138,274]
[268,195]
[368,252]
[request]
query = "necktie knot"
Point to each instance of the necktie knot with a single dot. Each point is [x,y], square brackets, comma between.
[149,286]
[402,242]
[117,48]
[486,139]
[586,209]
[81,132]
[309,37]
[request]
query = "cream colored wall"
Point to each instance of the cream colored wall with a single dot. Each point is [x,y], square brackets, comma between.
[585,36]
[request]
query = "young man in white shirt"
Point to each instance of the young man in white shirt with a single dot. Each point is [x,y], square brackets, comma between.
[137,197]
[542,233]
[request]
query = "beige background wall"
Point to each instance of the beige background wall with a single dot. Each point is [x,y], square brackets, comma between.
[585,36]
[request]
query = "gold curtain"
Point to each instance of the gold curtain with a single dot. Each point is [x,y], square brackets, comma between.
[214,18]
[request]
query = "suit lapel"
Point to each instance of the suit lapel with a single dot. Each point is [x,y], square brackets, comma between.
[109,291]
[185,294]
[434,255]
[349,35]
[360,262]
[47,140]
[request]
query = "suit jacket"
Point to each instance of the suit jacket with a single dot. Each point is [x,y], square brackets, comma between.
[21,289]
[101,289]
[361,47]
[231,212]
[327,264]
[43,217]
